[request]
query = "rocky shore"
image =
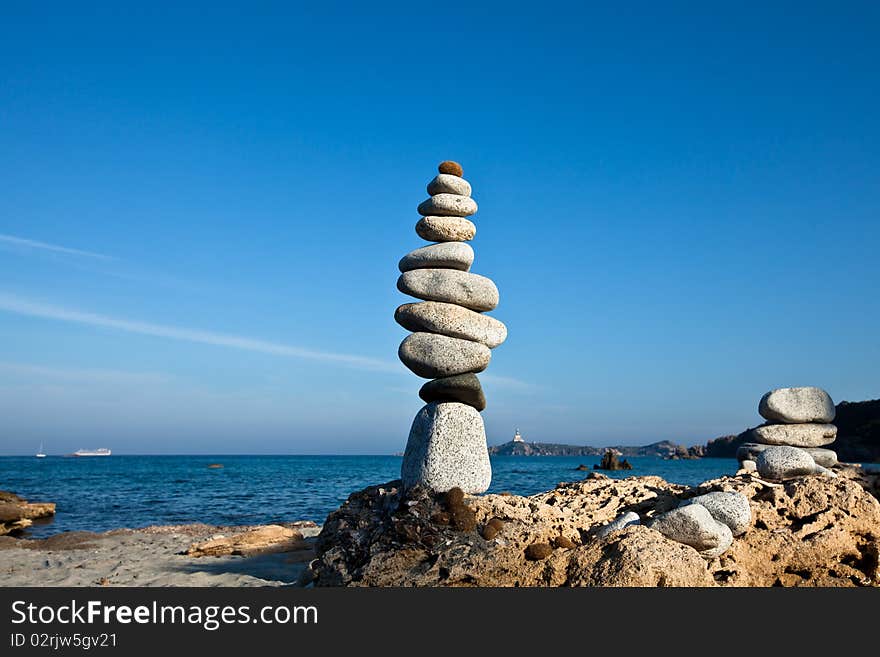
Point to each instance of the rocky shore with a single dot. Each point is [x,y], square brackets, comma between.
[17,514]
[812,530]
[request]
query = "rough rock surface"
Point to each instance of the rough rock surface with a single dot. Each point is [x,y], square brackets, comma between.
[797,405]
[729,508]
[430,355]
[447,449]
[446,229]
[452,320]
[450,286]
[446,255]
[17,514]
[782,462]
[265,539]
[448,205]
[796,435]
[464,388]
[811,531]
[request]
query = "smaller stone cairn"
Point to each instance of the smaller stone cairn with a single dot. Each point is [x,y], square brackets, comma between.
[451,341]
[794,440]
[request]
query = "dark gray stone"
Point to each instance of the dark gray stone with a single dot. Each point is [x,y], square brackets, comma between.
[464,388]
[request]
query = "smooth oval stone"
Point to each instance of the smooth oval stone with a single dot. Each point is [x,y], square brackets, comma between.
[463,388]
[452,320]
[432,356]
[797,405]
[446,229]
[451,167]
[783,462]
[824,457]
[731,508]
[448,255]
[625,520]
[447,448]
[450,286]
[448,205]
[447,184]
[796,435]
[693,525]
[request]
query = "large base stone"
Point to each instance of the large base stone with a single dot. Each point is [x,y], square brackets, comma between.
[447,448]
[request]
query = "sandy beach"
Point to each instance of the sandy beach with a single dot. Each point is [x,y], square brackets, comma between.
[153,556]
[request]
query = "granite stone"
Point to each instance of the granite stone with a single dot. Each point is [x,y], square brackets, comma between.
[452,320]
[432,356]
[795,435]
[446,255]
[731,508]
[797,405]
[448,205]
[781,462]
[446,229]
[447,449]
[450,286]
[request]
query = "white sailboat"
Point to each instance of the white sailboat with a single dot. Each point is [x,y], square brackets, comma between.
[41,454]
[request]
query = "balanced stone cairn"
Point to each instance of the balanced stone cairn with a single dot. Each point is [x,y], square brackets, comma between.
[451,341]
[794,440]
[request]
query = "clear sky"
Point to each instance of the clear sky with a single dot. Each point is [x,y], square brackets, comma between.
[202,209]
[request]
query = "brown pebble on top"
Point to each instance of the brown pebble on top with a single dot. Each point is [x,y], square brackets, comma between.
[450,167]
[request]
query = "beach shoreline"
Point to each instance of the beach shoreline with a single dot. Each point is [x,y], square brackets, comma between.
[155,556]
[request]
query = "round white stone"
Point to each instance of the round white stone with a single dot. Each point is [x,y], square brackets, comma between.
[448,205]
[446,229]
[693,525]
[625,520]
[731,508]
[433,356]
[796,435]
[797,405]
[450,286]
[446,183]
[447,255]
[824,457]
[781,462]
[452,320]
[447,448]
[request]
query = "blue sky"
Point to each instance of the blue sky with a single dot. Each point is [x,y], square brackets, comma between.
[202,209]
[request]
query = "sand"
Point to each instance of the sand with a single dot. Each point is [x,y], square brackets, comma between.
[153,556]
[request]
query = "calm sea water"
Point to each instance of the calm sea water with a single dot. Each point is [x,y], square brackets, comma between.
[97,494]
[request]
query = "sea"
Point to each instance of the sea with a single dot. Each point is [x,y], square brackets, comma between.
[102,493]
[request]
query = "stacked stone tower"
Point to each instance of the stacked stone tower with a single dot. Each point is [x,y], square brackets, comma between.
[794,441]
[451,341]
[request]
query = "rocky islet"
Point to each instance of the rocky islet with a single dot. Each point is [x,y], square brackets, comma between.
[450,343]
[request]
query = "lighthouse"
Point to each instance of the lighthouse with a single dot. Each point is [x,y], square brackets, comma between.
[517,438]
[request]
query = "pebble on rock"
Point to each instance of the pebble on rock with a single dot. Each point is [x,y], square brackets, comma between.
[445,183]
[730,508]
[450,286]
[784,462]
[795,435]
[451,167]
[797,405]
[448,205]
[625,520]
[447,448]
[452,320]
[447,255]
[693,525]
[538,551]
[463,388]
[433,356]
[446,229]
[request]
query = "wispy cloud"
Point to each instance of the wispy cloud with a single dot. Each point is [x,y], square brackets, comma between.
[83,374]
[45,246]
[19,306]
[509,382]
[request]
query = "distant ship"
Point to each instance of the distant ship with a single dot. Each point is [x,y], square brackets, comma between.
[92,452]
[41,454]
